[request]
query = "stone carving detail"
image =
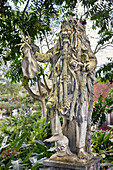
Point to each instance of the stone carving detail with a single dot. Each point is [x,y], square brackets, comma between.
[72,73]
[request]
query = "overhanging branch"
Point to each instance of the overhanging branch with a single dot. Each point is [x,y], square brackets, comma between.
[46,86]
[97,49]
[37,97]
[39,87]
[23,17]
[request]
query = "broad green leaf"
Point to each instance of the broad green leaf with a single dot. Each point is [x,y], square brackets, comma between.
[21,142]
[14,143]
[35,166]
[107,137]
[100,138]
[29,154]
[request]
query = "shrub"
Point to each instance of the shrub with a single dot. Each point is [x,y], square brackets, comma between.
[21,142]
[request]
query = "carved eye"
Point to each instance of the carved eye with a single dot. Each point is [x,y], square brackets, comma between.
[58,148]
[62,147]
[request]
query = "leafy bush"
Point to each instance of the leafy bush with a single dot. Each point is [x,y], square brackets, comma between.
[103,106]
[105,72]
[102,144]
[21,143]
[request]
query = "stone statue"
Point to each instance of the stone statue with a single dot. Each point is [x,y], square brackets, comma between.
[72,73]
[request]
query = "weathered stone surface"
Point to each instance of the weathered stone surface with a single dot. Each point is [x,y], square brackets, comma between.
[94,164]
[72,73]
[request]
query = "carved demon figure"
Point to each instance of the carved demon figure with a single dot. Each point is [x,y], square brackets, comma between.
[72,73]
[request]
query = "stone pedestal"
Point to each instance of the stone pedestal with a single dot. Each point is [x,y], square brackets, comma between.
[93,164]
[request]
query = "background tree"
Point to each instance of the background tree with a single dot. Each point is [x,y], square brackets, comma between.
[12,89]
[105,72]
[36,19]
[101,108]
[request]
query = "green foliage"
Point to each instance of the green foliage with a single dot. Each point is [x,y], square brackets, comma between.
[27,100]
[100,12]
[21,143]
[101,141]
[98,114]
[105,73]
[102,144]
[102,107]
[37,20]
[11,90]
[15,71]
[26,123]
[9,106]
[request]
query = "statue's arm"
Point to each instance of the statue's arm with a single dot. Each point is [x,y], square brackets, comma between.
[43,57]
[49,54]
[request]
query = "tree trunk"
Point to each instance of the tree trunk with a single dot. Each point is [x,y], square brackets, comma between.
[43,107]
[39,98]
[10,113]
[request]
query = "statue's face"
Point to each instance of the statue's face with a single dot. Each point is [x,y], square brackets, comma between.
[62,148]
[62,144]
[66,30]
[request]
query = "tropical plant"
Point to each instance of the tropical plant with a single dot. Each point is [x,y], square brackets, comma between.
[102,144]
[101,108]
[105,72]
[21,143]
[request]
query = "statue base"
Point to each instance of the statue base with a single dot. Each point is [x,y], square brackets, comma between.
[69,162]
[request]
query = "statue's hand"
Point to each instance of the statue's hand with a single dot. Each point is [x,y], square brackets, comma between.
[90,66]
[34,48]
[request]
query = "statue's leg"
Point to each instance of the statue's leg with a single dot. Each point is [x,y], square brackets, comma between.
[53,121]
[81,128]
[81,135]
[82,119]
[55,126]
[69,130]
[81,124]
[61,141]
[90,110]
[54,118]
[80,138]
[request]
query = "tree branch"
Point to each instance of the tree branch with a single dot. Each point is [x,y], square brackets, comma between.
[97,49]
[43,85]
[37,97]
[39,87]
[47,42]
[23,17]
[97,13]
[46,86]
